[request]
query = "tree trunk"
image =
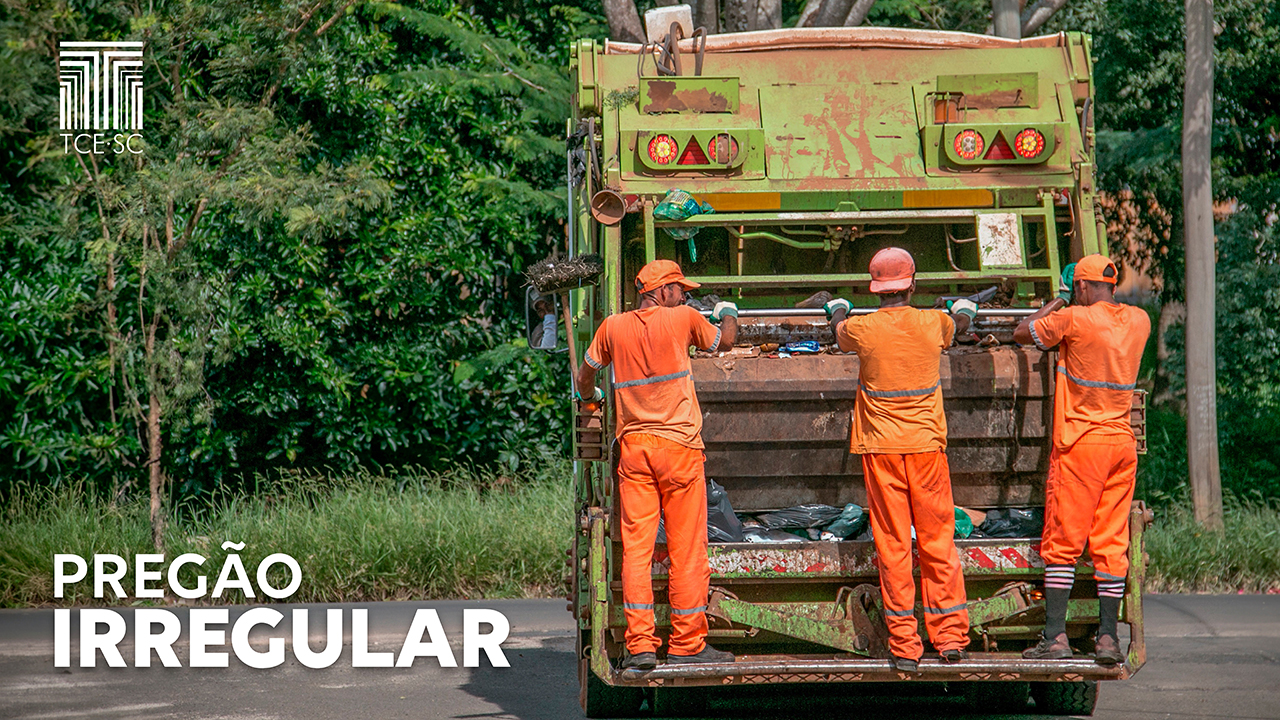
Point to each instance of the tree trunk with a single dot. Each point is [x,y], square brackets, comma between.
[624,21]
[768,15]
[811,8]
[1197,199]
[858,13]
[1004,18]
[831,13]
[738,15]
[1038,14]
[157,473]
[707,15]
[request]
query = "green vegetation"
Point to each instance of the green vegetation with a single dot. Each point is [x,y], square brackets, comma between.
[1187,558]
[459,533]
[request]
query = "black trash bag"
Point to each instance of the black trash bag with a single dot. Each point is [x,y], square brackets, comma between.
[800,517]
[722,524]
[1011,523]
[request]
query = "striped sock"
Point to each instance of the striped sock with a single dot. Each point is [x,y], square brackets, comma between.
[1110,592]
[1058,580]
[1060,577]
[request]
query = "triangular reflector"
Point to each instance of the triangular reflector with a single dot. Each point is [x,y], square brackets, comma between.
[693,154]
[1000,150]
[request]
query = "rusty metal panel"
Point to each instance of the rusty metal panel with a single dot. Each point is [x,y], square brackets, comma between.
[701,94]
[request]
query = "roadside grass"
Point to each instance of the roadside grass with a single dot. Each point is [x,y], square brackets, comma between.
[1245,556]
[461,533]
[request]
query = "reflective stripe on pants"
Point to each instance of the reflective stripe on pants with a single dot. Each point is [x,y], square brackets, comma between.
[656,475]
[900,488]
[1087,498]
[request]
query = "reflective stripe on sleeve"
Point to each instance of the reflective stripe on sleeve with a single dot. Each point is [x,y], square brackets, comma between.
[591,361]
[1035,336]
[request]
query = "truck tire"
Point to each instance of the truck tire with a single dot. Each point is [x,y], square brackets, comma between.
[679,702]
[996,697]
[1065,698]
[607,701]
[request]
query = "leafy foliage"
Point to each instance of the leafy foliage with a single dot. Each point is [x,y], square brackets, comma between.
[325,231]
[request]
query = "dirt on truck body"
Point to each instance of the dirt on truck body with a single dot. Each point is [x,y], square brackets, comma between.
[815,148]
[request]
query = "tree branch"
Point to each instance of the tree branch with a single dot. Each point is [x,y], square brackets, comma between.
[858,13]
[1038,14]
[336,16]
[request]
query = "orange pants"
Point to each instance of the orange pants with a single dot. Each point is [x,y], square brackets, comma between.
[1087,498]
[658,475]
[916,489]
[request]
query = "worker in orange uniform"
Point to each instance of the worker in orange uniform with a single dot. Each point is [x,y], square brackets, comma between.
[901,434]
[1094,460]
[659,426]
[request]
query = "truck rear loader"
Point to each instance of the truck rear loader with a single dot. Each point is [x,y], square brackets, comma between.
[813,149]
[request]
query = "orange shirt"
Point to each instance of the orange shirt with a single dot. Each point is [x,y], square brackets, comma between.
[1101,349]
[899,407]
[652,384]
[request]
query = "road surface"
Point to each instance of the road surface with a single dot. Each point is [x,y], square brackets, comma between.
[1209,657]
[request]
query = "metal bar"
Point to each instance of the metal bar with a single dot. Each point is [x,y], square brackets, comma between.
[847,279]
[863,216]
[764,235]
[773,669]
[819,312]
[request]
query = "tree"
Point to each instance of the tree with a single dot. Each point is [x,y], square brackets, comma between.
[1197,198]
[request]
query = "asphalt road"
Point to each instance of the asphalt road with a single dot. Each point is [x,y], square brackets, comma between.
[1209,657]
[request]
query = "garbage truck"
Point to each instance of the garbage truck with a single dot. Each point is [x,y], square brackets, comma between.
[806,151]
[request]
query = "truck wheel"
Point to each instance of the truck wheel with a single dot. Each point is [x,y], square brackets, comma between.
[996,697]
[606,701]
[1065,698]
[679,702]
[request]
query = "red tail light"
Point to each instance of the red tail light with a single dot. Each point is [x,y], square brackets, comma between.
[662,149]
[693,154]
[969,144]
[1029,143]
[1000,150]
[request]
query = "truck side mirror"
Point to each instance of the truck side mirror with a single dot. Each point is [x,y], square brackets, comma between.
[540,320]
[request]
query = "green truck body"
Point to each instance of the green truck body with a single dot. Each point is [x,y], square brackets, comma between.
[816,148]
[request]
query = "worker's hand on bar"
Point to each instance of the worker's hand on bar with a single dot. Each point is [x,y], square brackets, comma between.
[597,395]
[1066,284]
[964,306]
[838,304]
[723,308]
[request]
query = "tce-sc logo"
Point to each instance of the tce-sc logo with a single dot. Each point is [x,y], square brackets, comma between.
[100,96]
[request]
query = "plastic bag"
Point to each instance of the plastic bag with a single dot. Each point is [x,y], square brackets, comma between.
[800,517]
[722,524]
[801,347]
[1011,523]
[852,521]
[759,534]
[680,205]
[964,526]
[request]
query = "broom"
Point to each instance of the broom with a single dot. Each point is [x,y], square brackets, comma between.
[560,275]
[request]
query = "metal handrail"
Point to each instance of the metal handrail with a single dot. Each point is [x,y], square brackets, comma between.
[819,312]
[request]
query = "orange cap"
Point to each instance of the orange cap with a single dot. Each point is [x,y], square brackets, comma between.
[659,273]
[1096,268]
[892,270]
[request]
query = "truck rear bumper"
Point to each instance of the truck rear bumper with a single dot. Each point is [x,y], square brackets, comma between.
[769,669]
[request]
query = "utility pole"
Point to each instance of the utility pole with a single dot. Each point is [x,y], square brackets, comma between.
[1197,199]
[1005,19]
